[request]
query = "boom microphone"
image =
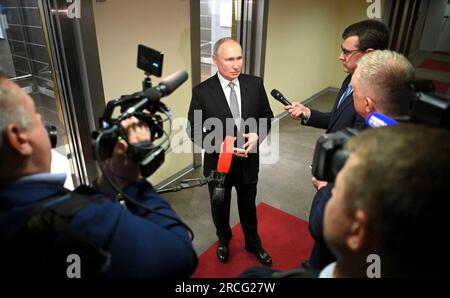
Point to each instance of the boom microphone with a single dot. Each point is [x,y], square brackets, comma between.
[226,155]
[218,176]
[166,86]
[223,167]
[280,97]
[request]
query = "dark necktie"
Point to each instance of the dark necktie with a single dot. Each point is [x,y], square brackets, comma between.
[345,95]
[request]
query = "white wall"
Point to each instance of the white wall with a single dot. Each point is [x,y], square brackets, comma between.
[303,45]
[444,36]
[162,25]
[300,47]
[433,25]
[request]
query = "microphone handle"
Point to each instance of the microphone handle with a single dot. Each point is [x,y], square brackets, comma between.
[284,101]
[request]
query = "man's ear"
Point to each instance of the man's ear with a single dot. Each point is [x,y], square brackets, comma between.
[369,105]
[215,59]
[18,140]
[357,239]
[369,50]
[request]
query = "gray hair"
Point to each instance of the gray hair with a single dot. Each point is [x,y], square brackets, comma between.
[10,111]
[383,76]
[220,42]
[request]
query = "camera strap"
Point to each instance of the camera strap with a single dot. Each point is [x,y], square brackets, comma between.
[46,239]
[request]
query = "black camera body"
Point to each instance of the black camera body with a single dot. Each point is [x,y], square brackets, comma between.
[329,156]
[112,136]
[142,105]
[425,108]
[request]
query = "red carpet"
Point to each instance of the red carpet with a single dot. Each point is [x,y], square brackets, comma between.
[441,87]
[435,65]
[442,53]
[284,236]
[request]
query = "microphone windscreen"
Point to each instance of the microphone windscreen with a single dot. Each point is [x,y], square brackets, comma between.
[275,93]
[226,155]
[278,96]
[174,81]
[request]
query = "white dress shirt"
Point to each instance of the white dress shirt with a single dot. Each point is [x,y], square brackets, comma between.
[227,90]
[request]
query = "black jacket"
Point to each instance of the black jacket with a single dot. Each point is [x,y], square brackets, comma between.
[210,99]
[339,118]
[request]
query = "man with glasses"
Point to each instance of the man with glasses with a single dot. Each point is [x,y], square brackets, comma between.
[358,39]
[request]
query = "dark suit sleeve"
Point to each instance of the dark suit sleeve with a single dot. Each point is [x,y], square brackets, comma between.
[141,244]
[359,122]
[316,214]
[160,246]
[318,119]
[195,120]
[265,114]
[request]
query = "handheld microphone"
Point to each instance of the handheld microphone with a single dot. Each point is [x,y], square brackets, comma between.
[379,120]
[223,167]
[280,97]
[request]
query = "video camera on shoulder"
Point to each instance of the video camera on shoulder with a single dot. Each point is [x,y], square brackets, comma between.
[147,107]
[426,108]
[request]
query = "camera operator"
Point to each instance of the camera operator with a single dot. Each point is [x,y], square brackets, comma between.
[379,85]
[391,201]
[135,243]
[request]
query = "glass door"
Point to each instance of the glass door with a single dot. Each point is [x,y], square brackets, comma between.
[25,58]
[243,20]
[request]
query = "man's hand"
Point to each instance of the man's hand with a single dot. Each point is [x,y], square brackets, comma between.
[252,142]
[239,153]
[318,184]
[297,111]
[121,168]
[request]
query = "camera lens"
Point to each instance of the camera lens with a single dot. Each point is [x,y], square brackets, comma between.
[52,134]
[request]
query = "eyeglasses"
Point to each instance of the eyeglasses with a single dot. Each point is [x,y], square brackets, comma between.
[348,53]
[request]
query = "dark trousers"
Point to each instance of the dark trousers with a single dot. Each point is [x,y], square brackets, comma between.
[246,195]
[321,255]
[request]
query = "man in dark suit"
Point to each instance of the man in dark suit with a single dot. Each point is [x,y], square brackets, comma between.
[233,104]
[358,40]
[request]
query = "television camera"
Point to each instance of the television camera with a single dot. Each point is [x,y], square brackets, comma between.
[425,108]
[145,106]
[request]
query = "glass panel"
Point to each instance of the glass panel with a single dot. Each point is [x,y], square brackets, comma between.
[215,22]
[25,58]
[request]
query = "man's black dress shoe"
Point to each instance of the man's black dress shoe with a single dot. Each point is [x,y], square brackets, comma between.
[222,252]
[261,255]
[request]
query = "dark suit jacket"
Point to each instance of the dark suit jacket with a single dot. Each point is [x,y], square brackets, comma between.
[337,119]
[210,99]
